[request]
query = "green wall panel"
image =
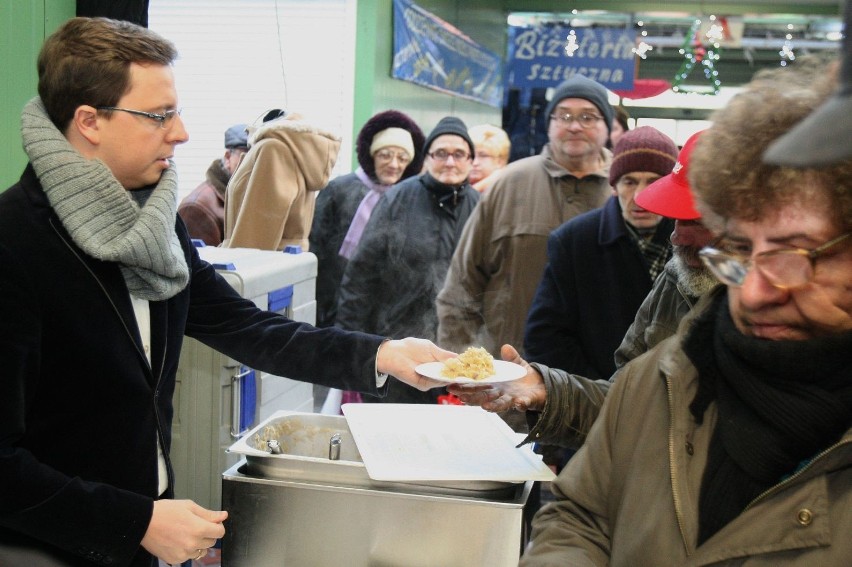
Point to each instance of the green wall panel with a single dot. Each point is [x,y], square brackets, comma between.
[23,26]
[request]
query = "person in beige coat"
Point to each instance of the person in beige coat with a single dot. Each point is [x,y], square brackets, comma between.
[270,199]
[731,442]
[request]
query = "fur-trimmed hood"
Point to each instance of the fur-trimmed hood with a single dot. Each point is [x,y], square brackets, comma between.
[313,149]
[379,122]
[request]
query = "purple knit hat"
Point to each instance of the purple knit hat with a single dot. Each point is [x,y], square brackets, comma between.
[642,149]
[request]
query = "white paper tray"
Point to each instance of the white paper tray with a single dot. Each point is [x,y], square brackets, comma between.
[420,442]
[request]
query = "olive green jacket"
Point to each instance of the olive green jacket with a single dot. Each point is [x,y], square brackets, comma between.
[629,497]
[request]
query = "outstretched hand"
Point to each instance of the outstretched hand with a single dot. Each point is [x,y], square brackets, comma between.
[527,393]
[399,358]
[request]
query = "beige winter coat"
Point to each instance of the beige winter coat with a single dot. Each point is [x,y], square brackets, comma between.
[501,256]
[269,202]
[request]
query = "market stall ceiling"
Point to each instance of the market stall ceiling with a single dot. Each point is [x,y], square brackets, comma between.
[756,7]
[812,26]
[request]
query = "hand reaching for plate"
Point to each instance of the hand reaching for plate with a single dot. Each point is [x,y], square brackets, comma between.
[525,393]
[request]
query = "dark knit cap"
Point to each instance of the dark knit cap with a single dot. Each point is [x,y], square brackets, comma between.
[449,125]
[382,121]
[642,149]
[236,137]
[580,86]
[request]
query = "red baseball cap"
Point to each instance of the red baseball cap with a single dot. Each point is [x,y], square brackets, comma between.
[670,196]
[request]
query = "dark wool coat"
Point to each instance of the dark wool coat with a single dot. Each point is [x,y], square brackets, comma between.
[336,207]
[390,284]
[81,410]
[595,280]
[337,204]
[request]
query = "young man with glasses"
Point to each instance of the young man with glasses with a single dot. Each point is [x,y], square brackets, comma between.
[390,283]
[730,442]
[502,253]
[99,285]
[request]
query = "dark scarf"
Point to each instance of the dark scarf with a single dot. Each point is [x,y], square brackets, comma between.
[780,403]
[447,196]
[654,245]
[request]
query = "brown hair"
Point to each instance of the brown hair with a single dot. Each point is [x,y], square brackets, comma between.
[87,61]
[727,173]
[622,116]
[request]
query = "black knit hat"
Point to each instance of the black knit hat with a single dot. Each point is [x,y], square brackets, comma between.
[382,121]
[449,125]
[580,86]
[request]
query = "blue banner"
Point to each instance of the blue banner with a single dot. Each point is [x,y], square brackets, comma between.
[539,56]
[430,52]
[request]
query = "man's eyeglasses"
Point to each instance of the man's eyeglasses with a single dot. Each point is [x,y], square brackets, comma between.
[165,119]
[785,269]
[443,155]
[585,119]
[387,156]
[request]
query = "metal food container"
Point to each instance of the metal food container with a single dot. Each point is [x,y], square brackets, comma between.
[300,507]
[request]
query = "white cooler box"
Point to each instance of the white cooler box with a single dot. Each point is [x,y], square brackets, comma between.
[216,399]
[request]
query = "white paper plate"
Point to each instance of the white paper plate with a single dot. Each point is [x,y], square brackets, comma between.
[503,372]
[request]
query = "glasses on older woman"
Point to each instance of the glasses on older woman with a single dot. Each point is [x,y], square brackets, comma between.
[387,156]
[786,268]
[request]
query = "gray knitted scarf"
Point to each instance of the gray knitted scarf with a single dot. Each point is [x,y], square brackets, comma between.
[102,217]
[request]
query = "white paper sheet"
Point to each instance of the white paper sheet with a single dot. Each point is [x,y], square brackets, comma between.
[407,442]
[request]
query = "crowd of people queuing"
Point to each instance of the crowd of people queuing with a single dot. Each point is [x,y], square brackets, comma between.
[684,316]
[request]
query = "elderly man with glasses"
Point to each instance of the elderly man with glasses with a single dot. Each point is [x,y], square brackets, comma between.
[502,253]
[730,443]
[391,280]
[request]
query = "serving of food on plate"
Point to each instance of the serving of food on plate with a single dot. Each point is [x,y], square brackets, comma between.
[474,365]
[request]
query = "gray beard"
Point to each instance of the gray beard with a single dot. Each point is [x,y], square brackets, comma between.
[694,281]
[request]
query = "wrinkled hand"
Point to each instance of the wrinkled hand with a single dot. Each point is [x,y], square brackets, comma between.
[399,358]
[180,528]
[527,393]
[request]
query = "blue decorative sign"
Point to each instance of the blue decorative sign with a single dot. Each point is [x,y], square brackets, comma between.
[431,52]
[539,56]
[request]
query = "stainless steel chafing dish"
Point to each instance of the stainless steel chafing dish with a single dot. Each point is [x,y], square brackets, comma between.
[291,504]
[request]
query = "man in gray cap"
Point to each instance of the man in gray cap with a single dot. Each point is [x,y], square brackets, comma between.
[203,210]
[502,252]
[825,136]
